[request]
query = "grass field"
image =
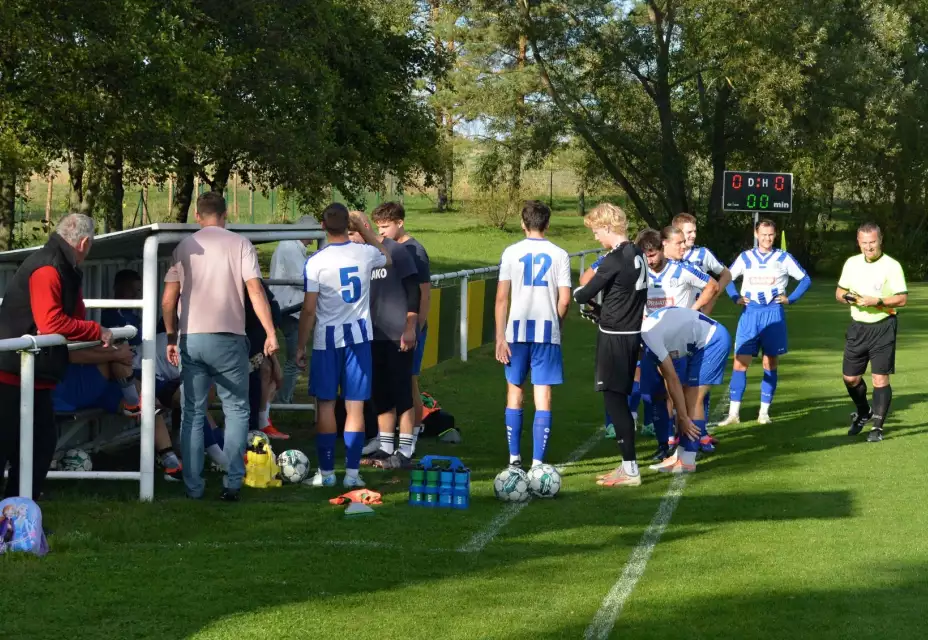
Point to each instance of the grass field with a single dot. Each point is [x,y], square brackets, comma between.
[790,530]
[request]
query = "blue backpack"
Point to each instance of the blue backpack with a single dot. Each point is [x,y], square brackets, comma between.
[21,527]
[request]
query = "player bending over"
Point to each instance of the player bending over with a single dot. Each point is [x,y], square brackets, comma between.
[336,309]
[622,277]
[671,283]
[535,274]
[765,274]
[691,350]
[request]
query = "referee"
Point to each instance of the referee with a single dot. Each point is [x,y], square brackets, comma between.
[873,284]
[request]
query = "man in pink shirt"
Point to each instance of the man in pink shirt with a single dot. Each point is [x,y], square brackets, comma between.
[210,274]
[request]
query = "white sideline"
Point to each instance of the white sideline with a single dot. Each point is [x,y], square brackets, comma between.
[611,608]
[483,537]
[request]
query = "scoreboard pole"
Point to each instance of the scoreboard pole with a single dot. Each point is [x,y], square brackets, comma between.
[756,220]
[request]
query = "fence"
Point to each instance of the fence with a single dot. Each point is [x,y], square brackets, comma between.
[28,346]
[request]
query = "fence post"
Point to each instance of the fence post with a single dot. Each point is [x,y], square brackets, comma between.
[26,412]
[464,282]
[582,263]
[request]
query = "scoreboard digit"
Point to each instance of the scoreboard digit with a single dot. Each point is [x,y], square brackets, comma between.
[758,191]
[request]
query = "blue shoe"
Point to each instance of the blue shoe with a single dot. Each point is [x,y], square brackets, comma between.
[705,445]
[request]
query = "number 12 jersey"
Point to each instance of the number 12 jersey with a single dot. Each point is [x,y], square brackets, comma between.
[536,268]
[341,274]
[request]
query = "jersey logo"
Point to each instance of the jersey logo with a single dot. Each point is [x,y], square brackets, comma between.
[659,303]
[762,280]
[379,274]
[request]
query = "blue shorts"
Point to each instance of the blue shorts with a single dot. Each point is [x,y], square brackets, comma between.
[420,351]
[84,387]
[348,369]
[707,365]
[650,381]
[761,328]
[544,360]
[160,385]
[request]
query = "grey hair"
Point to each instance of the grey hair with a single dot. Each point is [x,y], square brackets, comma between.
[74,227]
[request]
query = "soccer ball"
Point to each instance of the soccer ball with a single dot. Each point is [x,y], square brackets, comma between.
[511,485]
[544,481]
[75,460]
[294,466]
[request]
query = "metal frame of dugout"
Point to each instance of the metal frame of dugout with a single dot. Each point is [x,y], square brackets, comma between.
[150,248]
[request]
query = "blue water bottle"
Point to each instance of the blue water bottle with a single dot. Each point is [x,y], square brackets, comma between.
[445,489]
[461,496]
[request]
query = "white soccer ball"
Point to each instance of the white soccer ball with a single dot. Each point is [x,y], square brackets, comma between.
[544,481]
[511,485]
[294,466]
[75,460]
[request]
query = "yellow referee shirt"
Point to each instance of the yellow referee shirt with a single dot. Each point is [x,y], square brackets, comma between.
[881,278]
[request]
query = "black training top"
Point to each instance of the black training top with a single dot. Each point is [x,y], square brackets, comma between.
[623,278]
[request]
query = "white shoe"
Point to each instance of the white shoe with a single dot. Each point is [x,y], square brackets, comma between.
[666,463]
[372,445]
[764,418]
[730,420]
[320,480]
[353,483]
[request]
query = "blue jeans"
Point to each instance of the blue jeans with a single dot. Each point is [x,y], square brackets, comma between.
[290,327]
[221,358]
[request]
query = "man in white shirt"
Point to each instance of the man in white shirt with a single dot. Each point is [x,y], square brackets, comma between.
[691,350]
[535,273]
[337,312]
[287,264]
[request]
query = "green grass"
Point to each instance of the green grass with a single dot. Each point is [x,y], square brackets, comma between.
[791,530]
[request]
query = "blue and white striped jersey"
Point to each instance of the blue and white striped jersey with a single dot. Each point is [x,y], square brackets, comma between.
[765,275]
[341,274]
[678,284]
[676,332]
[704,260]
[536,269]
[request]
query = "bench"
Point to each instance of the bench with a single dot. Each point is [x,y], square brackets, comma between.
[94,430]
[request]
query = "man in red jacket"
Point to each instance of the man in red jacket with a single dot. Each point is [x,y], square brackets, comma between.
[44,297]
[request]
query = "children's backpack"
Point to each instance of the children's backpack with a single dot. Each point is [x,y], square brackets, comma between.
[261,469]
[21,527]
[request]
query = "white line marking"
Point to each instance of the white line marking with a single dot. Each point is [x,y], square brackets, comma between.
[483,537]
[611,608]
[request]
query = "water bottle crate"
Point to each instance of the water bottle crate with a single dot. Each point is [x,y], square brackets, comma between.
[440,482]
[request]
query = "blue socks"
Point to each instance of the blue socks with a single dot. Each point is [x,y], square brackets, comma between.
[541,428]
[739,382]
[662,426]
[688,443]
[634,399]
[514,431]
[768,386]
[354,442]
[325,450]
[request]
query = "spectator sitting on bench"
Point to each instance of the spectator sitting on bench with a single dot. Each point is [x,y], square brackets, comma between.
[127,285]
[265,374]
[101,378]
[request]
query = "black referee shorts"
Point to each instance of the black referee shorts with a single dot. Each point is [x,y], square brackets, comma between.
[392,379]
[616,361]
[873,343]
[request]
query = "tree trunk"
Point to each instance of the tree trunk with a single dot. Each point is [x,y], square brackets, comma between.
[581,200]
[221,177]
[7,208]
[76,176]
[719,150]
[183,191]
[92,181]
[114,168]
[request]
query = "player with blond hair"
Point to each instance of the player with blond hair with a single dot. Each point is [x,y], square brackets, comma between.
[622,277]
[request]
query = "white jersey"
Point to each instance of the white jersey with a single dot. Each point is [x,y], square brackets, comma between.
[676,332]
[536,269]
[704,260]
[678,284]
[765,275]
[341,275]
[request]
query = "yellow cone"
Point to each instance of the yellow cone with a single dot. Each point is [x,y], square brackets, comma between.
[783,240]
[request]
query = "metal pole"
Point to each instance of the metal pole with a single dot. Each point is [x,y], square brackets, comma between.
[26,413]
[149,321]
[464,281]
[582,263]
[754,230]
